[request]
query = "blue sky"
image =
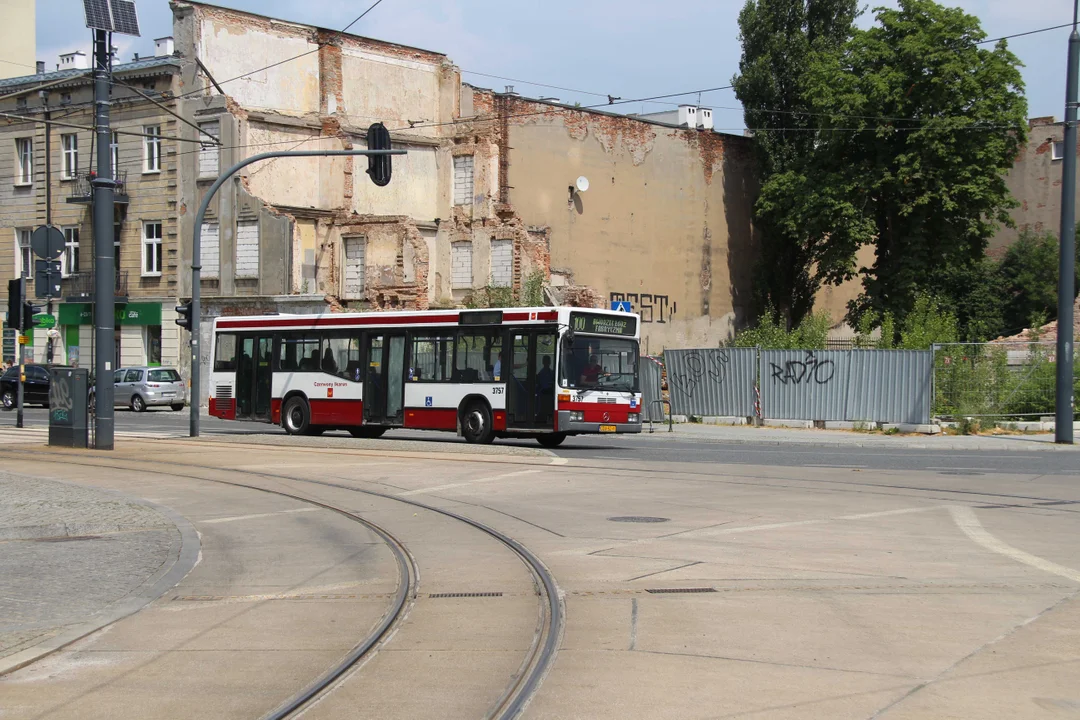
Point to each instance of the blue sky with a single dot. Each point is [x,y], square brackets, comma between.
[626,48]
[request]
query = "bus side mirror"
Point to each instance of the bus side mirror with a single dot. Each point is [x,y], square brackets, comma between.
[568,337]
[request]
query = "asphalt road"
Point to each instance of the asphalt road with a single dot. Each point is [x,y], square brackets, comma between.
[661,447]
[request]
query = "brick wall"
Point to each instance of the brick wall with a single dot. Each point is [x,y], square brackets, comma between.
[502,263]
[461,271]
[247,249]
[463,180]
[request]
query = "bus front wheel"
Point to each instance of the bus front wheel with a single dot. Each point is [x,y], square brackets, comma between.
[476,424]
[551,440]
[296,416]
[367,431]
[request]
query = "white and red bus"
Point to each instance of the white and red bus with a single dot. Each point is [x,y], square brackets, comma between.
[518,372]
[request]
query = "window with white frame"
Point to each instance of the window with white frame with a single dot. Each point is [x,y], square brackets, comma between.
[69,147]
[355,255]
[247,249]
[463,180]
[151,249]
[24,157]
[1057,149]
[211,250]
[23,254]
[461,265]
[69,261]
[502,263]
[208,151]
[152,148]
[114,150]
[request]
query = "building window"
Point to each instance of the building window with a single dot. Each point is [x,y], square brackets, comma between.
[151,249]
[114,150]
[152,340]
[152,148]
[355,249]
[502,263]
[23,252]
[69,264]
[247,249]
[208,151]
[461,264]
[24,155]
[211,250]
[1057,150]
[463,180]
[69,145]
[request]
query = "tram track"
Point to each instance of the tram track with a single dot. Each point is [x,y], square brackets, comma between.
[534,667]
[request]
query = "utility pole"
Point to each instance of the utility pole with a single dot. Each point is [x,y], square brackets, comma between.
[44,94]
[104,272]
[1065,408]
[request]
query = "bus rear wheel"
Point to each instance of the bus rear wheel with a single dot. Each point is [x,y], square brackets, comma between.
[476,424]
[551,440]
[367,432]
[296,416]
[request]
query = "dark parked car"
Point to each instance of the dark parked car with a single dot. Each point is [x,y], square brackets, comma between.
[35,389]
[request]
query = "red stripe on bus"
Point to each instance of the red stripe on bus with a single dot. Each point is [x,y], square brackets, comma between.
[594,412]
[431,418]
[275,411]
[336,412]
[224,409]
[338,322]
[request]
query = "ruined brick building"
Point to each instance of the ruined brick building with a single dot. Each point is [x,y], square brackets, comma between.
[483,198]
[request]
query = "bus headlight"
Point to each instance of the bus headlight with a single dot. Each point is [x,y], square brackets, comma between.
[633,418]
[577,416]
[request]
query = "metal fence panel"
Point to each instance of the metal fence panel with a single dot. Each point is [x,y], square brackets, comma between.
[650,373]
[804,384]
[997,379]
[890,386]
[712,381]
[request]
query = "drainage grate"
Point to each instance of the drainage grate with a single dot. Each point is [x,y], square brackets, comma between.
[465,595]
[67,538]
[638,519]
[665,591]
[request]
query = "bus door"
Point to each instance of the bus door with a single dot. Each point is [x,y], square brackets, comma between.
[531,379]
[384,382]
[253,374]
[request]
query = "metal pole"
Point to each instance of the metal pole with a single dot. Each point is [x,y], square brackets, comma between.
[104,272]
[22,353]
[48,212]
[1063,425]
[196,257]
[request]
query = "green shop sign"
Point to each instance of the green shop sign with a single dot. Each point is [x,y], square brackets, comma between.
[126,314]
[44,320]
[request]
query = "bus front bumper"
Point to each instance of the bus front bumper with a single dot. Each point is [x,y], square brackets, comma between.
[566,426]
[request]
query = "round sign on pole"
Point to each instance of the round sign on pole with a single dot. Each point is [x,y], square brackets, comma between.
[47,242]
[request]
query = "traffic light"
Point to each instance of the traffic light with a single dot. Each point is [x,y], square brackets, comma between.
[14,316]
[379,166]
[28,311]
[184,311]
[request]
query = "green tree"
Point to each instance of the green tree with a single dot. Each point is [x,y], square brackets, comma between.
[919,127]
[1028,278]
[930,321]
[779,39]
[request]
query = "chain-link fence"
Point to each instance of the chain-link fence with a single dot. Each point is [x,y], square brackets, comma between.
[1000,379]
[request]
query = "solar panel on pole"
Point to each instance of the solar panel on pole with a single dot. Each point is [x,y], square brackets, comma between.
[117,16]
[98,15]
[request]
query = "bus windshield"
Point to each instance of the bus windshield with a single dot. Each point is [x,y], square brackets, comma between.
[600,363]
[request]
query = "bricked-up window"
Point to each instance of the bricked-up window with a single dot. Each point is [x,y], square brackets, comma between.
[355,251]
[208,152]
[69,261]
[247,249]
[69,146]
[24,156]
[461,264]
[152,148]
[211,250]
[151,249]
[502,263]
[463,180]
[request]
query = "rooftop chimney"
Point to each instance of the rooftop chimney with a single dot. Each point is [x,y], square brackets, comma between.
[73,61]
[40,67]
[163,47]
[135,58]
[688,116]
[704,118]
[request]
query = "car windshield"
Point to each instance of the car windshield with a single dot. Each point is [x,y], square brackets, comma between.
[600,363]
[168,375]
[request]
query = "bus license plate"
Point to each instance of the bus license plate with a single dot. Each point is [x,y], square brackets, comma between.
[608,428]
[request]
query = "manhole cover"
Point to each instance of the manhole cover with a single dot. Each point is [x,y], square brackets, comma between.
[638,519]
[960,472]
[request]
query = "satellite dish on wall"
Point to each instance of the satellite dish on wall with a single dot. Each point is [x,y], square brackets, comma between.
[582,183]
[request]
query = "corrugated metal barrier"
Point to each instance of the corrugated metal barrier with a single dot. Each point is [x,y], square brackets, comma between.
[650,374]
[712,381]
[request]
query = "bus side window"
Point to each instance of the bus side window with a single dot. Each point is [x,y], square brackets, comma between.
[341,357]
[225,353]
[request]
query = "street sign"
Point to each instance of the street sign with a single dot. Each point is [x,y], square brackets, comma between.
[44,320]
[47,241]
[47,277]
[621,306]
[24,339]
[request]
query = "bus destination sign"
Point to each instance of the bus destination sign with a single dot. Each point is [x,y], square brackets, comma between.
[603,324]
